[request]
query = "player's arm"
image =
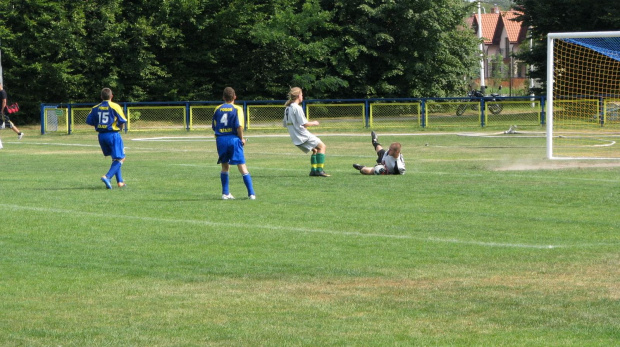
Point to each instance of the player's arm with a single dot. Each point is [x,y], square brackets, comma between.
[311,124]
[240,134]
[400,165]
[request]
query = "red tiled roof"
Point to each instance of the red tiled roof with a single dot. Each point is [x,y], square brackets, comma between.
[516,30]
[489,24]
[492,24]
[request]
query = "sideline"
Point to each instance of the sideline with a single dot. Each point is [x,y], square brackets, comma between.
[211,138]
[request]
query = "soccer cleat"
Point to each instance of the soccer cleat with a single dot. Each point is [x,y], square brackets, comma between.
[252,197]
[321,174]
[313,173]
[228,197]
[122,184]
[20,135]
[358,166]
[2,125]
[107,182]
[375,140]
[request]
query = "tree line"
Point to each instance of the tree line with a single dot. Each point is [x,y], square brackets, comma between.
[172,50]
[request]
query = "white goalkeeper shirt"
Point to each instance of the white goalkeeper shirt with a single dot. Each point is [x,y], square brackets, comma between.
[294,120]
[393,165]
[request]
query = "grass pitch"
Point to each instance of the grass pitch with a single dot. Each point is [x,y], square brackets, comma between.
[482,242]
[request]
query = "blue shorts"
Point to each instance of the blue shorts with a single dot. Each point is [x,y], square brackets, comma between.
[112,145]
[230,150]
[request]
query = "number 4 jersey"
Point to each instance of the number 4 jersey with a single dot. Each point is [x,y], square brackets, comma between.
[226,119]
[106,117]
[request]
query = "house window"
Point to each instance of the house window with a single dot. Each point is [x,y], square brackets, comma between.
[507,48]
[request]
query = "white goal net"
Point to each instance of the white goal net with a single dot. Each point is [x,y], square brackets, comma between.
[583,95]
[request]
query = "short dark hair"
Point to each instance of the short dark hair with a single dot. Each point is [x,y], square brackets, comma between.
[229,94]
[106,94]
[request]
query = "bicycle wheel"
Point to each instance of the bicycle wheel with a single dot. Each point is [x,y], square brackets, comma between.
[496,108]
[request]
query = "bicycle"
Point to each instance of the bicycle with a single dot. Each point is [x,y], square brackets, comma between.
[476,95]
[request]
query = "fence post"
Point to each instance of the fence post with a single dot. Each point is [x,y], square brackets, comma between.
[482,104]
[543,114]
[601,108]
[43,119]
[423,113]
[187,116]
[367,113]
[126,115]
[246,116]
[69,119]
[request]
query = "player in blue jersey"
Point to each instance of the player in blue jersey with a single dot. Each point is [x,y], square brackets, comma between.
[108,119]
[228,127]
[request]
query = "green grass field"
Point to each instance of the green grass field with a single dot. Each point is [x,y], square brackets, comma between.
[483,242]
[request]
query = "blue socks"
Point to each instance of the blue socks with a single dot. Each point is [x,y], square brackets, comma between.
[224,179]
[247,179]
[115,170]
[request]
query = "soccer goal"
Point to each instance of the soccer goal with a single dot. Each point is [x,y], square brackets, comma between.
[583,95]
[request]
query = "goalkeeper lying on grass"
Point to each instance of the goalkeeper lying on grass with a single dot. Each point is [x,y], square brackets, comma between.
[390,162]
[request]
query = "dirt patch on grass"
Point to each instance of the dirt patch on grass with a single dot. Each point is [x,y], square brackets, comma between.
[555,165]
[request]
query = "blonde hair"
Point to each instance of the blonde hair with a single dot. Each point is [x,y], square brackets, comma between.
[293,95]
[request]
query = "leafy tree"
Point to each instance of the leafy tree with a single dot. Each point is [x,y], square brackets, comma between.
[550,16]
[159,50]
[370,48]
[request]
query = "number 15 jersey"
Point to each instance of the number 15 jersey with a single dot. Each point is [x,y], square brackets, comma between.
[106,117]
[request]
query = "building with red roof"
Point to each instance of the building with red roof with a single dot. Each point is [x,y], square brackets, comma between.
[502,37]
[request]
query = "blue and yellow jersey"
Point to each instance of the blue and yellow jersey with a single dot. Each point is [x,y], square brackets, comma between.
[226,119]
[106,117]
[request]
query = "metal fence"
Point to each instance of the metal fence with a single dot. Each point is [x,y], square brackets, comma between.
[335,114]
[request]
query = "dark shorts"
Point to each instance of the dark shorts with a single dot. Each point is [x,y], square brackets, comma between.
[380,155]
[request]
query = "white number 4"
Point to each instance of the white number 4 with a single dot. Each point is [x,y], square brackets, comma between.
[224,119]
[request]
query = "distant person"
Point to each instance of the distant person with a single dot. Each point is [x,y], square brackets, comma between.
[228,127]
[390,162]
[4,114]
[108,119]
[297,124]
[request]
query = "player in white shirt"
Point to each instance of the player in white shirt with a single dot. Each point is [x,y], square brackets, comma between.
[390,162]
[297,124]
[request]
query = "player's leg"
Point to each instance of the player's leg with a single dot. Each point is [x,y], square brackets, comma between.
[224,178]
[247,180]
[106,148]
[375,140]
[313,162]
[12,126]
[364,170]
[118,158]
[380,154]
[320,159]
[119,175]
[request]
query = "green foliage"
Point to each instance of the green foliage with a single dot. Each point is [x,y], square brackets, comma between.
[146,50]
[554,16]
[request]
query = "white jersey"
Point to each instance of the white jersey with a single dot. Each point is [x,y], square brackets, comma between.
[392,165]
[294,120]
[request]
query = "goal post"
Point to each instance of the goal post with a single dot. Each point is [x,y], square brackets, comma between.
[583,95]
